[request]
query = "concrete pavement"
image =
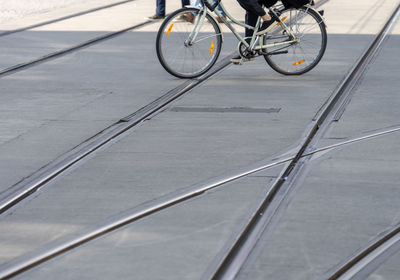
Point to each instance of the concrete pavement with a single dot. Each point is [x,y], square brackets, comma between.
[84,92]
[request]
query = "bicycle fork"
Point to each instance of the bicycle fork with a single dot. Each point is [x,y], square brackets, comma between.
[198,24]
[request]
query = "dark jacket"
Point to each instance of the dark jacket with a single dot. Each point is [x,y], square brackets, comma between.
[254,6]
[295,3]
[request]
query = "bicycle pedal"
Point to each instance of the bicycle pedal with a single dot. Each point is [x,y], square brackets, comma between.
[240,61]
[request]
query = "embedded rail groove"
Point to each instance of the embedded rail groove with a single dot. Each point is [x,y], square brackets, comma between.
[93,144]
[228,265]
[26,187]
[5,33]
[145,209]
[38,179]
[377,249]
[24,65]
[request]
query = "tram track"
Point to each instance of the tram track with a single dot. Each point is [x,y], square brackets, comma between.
[57,54]
[24,65]
[293,160]
[9,32]
[368,258]
[19,191]
[68,243]
[65,244]
[32,183]
[238,249]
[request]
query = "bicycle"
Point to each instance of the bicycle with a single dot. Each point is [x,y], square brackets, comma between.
[293,45]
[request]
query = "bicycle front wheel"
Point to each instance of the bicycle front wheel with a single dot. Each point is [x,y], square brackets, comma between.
[310,39]
[186,46]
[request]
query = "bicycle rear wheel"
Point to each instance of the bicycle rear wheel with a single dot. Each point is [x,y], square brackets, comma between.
[178,53]
[299,57]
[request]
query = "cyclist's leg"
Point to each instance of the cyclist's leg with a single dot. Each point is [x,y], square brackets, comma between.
[250,19]
[254,10]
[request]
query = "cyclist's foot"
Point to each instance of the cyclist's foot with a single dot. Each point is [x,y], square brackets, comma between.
[238,59]
[219,19]
[156,17]
[264,26]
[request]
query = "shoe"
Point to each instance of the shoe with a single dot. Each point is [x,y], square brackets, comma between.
[186,17]
[180,18]
[156,17]
[238,59]
[189,17]
[264,26]
[219,19]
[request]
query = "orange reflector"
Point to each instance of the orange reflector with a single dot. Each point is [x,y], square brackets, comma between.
[169,29]
[212,48]
[298,62]
[283,19]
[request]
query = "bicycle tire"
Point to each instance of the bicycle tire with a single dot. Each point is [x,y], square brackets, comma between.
[308,25]
[183,60]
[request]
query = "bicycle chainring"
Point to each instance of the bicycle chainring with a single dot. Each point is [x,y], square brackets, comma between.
[244,52]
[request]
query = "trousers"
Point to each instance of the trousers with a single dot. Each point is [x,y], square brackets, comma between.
[253,11]
[160,6]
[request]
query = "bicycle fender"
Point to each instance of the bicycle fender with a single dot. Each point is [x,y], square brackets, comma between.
[308,6]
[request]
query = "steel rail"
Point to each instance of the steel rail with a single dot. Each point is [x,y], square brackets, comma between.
[93,144]
[29,185]
[68,243]
[377,248]
[38,179]
[24,65]
[353,140]
[365,257]
[230,261]
[5,33]
[129,216]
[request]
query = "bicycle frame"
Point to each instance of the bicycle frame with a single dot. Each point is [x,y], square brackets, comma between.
[250,46]
[197,44]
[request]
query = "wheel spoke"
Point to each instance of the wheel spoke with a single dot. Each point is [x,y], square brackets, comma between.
[184,60]
[304,55]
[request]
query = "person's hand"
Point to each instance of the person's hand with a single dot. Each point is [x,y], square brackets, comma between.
[266,17]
